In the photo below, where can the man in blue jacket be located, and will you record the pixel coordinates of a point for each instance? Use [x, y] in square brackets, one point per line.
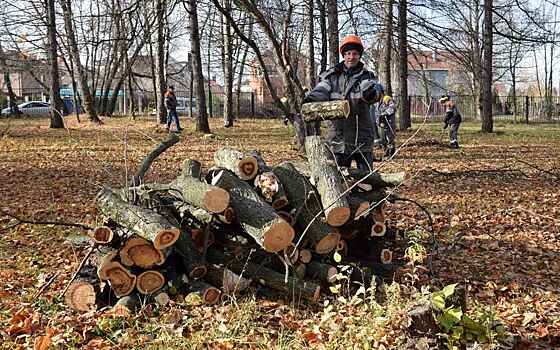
[352, 138]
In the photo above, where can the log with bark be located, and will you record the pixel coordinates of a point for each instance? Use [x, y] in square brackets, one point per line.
[306, 201]
[377, 180]
[295, 288]
[328, 181]
[144, 222]
[244, 166]
[329, 110]
[209, 294]
[199, 193]
[255, 216]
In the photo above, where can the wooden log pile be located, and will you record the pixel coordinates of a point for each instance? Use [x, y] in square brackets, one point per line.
[286, 227]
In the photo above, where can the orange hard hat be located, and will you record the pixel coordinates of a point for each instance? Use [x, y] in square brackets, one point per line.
[351, 40]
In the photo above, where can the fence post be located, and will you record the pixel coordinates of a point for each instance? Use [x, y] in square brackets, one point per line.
[252, 104]
[526, 109]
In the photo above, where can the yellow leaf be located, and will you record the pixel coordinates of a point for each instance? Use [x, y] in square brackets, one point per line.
[42, 342]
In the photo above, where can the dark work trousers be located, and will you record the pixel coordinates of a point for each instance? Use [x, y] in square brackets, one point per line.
[453, 133]
[363, 160]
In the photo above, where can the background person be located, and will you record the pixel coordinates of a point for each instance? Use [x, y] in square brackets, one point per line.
[171, 106]
[453, 118]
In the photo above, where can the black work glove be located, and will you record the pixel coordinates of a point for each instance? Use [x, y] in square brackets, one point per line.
[445, 126]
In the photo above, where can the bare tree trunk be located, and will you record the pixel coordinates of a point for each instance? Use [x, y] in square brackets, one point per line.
[477, 58]
[487, 120]
[160, 59]
[388, 47]
[241, 70]
[57, 105]
[404, 108]
[8, 81]
[202, 120]
[311, 75]
[332, 17]
[228, 67]
[324, 43]
[79, 69]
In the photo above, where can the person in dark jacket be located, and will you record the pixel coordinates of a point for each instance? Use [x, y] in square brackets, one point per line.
[171, 106]
[352, 138]
[453, 118]
[386, 109]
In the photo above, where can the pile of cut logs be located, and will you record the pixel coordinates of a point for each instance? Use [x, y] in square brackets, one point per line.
[284, 229]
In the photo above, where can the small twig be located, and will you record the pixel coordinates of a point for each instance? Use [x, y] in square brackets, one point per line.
[539, 169]
[39, 222]
[46, 285]
[77, 270]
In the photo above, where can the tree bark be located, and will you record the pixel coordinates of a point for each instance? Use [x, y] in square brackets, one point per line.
[403, 103]
[244, 166]
[328, 181]
[388, 47]
[255, 216]
[160, 59]
[294, 288]
[306, 201]
[227, 40]
[322, 272]
[202, 124]
[57, 105]
[310, 71]
[332, 17]
[329, 110]
[323, 27]
[487, 119]
[144, 222]
[7, 80]
[87, 97]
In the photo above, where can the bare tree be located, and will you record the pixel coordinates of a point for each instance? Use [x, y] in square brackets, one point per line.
[487, 120]
[202, 124]
[332, 17]
[79, 69]
[57, 105]
[403, 106]
[388, 46]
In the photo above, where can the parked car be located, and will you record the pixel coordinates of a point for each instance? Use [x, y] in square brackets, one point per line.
[31, 108]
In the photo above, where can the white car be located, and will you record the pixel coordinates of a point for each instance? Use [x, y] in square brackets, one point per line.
[31, 108]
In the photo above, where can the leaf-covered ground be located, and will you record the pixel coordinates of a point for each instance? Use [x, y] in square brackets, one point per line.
[495, 206]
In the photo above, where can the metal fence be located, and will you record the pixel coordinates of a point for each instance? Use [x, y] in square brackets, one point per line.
[522, 109]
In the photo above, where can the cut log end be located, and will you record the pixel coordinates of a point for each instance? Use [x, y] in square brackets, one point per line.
[81, 296]
[280, 203]
[327, 243]
[299, 271]
[228, 216]
[378, 229]
[248, 168]
[149, 281]
[102, 235]
[198, 272]
[216, 200]
[146, 256]
[122, 281]
[211, 296]
[386, 256]
[166, 238]
[337, 217]
[305, 256]
[278, 236]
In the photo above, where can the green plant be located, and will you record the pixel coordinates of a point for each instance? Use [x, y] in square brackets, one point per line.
[460, 328]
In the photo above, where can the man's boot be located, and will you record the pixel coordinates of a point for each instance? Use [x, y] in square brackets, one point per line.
[454, 144]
